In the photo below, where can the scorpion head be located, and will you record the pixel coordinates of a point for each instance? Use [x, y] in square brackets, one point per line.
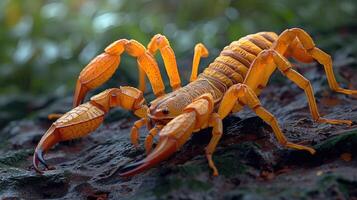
[164, 109]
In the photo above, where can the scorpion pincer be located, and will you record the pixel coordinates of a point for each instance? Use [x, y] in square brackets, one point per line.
[233, 80]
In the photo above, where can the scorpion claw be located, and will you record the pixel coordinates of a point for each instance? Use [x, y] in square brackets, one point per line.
[38, 157]
[127, 168]
[174, 135]
[164, 149]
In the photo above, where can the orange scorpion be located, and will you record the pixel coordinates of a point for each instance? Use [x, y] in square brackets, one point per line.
[233, 80]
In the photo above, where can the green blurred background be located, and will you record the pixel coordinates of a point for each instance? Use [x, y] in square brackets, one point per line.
[44, 44]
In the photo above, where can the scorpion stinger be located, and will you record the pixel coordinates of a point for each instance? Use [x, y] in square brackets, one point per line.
[87, 117]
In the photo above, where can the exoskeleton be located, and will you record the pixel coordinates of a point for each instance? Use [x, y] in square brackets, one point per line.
[233, 80]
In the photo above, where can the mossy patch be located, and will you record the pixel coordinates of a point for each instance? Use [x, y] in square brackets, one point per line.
[229, 164]
[342, 141]
[183, 177]
[191, 169]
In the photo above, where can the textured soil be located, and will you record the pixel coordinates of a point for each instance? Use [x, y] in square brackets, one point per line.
[251, 163]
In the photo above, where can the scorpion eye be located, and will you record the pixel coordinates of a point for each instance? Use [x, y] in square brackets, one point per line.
[165, 111]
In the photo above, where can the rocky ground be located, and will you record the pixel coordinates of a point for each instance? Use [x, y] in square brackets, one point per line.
[252, 164]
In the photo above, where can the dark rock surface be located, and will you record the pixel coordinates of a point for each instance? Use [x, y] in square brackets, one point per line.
[251, 163]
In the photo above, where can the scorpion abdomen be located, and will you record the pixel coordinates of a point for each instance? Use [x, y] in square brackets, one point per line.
[232, 65]
[229, 68]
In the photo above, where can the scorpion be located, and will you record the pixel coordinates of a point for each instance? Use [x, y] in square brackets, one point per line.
[232, 81]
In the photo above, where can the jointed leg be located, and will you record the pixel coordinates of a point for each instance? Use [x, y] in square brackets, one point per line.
[324, 59]
[150, 138]
[134, 133]
[266, 63]
[286, 68]
[54, 116]
[272, 121]
[289, 36]
[216, 123]
[243, 93]
[200, 51]
[160, 42]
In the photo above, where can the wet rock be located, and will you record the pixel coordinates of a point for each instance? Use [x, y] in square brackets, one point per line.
[22, 183]
[252, 164]
[18, 107]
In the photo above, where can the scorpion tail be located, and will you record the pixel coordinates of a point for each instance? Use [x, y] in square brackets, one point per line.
[79, 94]
[48, 140]
[174, 135]
[76, 123]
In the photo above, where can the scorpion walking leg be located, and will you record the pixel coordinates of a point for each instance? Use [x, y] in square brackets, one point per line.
[272, 121]
[150, 138]
[289, 36]
[160, 42]
[324, 59]
[134, 133]
[54, 116]
[243, 93]
[265, 64]
[217, 131]
[200, 51]
[286, 68]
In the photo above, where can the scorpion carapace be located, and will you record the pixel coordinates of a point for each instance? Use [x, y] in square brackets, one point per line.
[233, 80]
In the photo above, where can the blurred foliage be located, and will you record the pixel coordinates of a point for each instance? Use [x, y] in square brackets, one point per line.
[44, 44]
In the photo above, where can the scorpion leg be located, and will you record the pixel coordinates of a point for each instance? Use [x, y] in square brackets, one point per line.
[243, 93]
[200, 51]
[176, 133]
[134, 133]
[287, 41]
[54, 116]
[102, 67]
[217, 132]
[160, 42]
[323, 58]
[270, 59]
[149, 138]
[286, 68]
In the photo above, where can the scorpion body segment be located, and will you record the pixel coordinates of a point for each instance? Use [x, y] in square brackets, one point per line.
[233, 80]
[229, 68]
[233, 63]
